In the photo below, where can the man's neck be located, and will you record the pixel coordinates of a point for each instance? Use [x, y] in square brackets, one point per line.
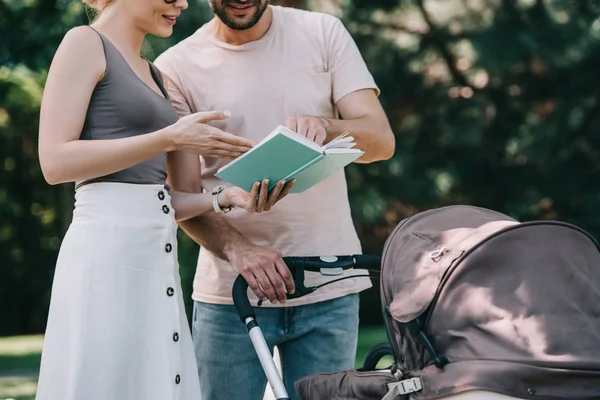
[237, 38]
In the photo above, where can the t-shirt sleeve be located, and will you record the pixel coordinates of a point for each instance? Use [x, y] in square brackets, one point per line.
[348, 70]
[166, 64]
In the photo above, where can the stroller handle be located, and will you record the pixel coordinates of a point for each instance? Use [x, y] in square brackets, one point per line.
[329, 266]
[316, 264]
[297, 266]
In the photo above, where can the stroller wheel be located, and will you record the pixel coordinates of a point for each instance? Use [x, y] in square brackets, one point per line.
[375, 355]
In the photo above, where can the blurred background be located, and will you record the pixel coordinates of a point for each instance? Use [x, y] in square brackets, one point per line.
[494, 103]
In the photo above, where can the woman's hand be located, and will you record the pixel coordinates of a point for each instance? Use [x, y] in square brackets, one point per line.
[258, 199]
[192, 134]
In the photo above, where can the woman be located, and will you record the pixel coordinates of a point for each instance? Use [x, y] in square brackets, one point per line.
[117, 327]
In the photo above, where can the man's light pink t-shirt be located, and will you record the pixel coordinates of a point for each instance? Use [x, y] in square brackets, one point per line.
[303, 65]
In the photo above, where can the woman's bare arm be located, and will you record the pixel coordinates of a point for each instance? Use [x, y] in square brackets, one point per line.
[76, 69]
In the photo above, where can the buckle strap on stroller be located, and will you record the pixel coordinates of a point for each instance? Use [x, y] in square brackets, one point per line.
[403, 387]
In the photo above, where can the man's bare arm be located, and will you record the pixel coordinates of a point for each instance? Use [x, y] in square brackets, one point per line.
[210, 231]
[258, 264]
[365, 119]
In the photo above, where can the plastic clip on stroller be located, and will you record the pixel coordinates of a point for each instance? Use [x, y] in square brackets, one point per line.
[329, 266]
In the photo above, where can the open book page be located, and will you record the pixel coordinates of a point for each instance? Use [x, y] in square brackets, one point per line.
[343, 141]
[299, 138]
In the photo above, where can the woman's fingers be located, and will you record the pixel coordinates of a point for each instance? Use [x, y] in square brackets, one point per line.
[233, 139]
[205, 116]
[274, 195]
[253, 196]
[262, 196]
[229, 155]
[286, 189]
[223, 148]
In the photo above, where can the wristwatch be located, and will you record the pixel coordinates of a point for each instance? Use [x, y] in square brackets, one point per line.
[215, 200]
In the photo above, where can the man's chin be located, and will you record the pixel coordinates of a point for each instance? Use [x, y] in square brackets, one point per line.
[240, 23]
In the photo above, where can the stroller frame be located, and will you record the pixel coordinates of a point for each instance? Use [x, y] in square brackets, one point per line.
[327, 266]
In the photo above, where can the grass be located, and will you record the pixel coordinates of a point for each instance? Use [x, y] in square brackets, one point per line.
[20, 353]
[20, 361]
[368, 338]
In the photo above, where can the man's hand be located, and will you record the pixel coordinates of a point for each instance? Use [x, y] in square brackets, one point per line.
[264, 270]
[314, 128]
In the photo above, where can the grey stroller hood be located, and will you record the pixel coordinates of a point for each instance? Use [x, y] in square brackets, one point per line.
[475, 300]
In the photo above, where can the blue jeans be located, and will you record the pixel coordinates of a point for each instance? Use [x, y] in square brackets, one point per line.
[320, 337]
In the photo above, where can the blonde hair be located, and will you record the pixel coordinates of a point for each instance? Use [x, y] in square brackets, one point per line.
[98, 5]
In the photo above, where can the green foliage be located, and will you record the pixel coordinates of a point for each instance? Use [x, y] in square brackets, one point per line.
[33, 214]
[493, 102]
[29, 219]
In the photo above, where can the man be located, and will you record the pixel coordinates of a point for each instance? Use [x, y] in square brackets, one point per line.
[271, 65]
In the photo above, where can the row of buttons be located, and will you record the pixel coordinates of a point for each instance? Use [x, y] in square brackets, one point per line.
[170, 290]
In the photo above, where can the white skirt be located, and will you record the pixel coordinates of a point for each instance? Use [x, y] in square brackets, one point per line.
[117, 327]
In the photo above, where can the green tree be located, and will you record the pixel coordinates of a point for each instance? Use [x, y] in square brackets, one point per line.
[494, 103]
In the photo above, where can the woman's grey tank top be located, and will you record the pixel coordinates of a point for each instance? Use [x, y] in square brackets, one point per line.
[123, 105]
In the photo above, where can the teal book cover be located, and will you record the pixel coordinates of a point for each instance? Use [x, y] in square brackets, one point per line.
[284, 154]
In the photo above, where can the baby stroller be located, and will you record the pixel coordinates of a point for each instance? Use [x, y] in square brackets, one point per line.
[474, 302]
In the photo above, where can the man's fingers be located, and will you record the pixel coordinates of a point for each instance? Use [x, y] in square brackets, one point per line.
[291, 123]
[313, 128]
[320, 134]
[304, 128]
[277, 283]
[286, 275]
[253, 284]
[266, 285]
[205, 116]
[317, 131]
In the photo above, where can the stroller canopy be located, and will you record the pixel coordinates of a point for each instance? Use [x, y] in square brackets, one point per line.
[474, 299]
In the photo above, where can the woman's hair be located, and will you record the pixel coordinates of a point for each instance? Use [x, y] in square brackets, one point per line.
[98, 5]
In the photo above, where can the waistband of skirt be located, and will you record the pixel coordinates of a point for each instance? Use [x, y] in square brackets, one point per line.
[123, 200]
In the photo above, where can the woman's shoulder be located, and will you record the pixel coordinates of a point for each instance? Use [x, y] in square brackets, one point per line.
[83, 47]
[83, 38]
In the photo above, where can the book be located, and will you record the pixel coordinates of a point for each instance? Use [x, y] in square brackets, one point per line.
[285, 154]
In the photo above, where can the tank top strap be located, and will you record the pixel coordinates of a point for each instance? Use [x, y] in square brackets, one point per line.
[158, 78]
[106, 44]
[111, 54]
